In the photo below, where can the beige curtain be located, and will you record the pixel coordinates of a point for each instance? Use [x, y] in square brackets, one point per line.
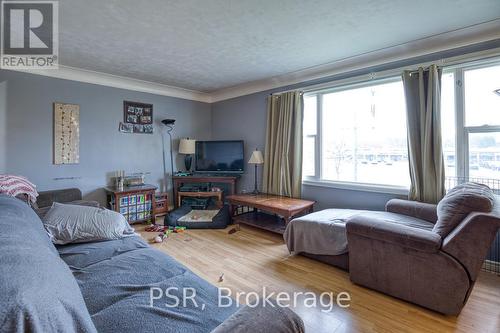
[423, 109]
[283, 154]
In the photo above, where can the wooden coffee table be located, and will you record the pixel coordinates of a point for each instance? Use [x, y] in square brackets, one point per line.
[269, 212]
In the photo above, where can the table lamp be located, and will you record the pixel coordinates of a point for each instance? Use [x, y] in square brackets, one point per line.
[187, 147]
[256, 159]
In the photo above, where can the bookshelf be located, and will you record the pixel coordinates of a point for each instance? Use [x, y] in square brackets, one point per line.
[135, 203]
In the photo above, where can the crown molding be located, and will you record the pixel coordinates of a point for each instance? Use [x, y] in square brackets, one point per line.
[479, 33]
[442, 42]
[109, 80]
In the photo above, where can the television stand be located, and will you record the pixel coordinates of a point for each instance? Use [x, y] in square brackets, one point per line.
[178, 181]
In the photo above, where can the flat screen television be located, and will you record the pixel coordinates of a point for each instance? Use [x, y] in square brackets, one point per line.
[219, 156]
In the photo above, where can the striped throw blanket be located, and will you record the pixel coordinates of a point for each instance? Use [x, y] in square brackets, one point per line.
[15, 185]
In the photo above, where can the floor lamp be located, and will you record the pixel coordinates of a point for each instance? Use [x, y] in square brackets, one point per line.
[256, 159]
[169, 123]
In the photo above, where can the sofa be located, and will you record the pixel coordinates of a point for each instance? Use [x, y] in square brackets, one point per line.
[106, 286]
[423, 253]
[418, 264]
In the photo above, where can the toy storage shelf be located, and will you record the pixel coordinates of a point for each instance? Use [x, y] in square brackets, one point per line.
[135, 203]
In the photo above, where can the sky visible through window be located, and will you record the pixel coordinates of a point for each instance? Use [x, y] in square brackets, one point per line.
[364, 135]
[482, 107]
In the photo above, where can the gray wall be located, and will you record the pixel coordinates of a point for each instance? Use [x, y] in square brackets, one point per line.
[245, 117]
[242, 118]
[3, 126]
[103, 149]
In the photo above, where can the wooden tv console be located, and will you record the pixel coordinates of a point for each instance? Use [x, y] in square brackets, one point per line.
[193, 179]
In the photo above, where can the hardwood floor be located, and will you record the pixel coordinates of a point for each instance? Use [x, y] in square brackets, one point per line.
[251, 259]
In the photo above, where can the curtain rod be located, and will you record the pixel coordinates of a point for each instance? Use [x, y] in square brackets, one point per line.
[309, 87]
[285, 91]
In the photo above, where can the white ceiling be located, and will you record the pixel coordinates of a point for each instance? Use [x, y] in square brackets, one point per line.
[208, 45]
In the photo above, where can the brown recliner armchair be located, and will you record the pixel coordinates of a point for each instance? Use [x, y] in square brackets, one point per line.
[429, 266]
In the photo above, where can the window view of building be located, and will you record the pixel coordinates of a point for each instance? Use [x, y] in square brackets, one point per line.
[358, 134]
[363, 135]
[482, 121]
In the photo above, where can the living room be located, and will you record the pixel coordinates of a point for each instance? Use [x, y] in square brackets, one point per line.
[341, 158]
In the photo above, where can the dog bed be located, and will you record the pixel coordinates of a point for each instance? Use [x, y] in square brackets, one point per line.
[184, 216]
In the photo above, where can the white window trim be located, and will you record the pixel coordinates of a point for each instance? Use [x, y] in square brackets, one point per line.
[352, 186]
[317, 179]
[462, 131]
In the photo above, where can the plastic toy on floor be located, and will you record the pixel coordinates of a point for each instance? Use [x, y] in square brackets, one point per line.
[166, 232]
[155, 228]
[159, 238]
[177, 230]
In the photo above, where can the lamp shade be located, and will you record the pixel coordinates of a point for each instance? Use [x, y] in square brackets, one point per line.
[186, 146]
[256, 158]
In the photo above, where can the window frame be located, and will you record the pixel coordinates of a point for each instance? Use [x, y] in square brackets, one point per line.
[462, 132]
[316, 179]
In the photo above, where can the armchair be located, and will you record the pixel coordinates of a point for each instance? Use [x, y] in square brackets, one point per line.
[416, 264]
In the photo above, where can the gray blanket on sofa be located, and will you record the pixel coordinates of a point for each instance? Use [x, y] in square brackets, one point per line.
[321, 232]
[106, 285]
[324, 232]
[37, 290]
[115, 278]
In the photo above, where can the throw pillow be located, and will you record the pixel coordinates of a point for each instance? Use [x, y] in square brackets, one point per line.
[68, 223]
[41, 212]
[459, 202]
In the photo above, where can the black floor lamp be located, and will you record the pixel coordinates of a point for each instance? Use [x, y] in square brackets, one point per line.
[169, 123]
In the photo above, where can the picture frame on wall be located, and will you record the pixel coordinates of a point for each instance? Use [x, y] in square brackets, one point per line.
[126, 128]
[138, 129]
[139, 116]
[132, 119]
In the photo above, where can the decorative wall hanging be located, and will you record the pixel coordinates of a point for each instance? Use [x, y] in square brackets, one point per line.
[66, 133]
[138, 117]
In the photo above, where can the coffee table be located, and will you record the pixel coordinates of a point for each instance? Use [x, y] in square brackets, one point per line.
[266, 211]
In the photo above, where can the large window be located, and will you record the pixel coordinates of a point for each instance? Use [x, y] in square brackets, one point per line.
[357, 135]
[474, 101]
